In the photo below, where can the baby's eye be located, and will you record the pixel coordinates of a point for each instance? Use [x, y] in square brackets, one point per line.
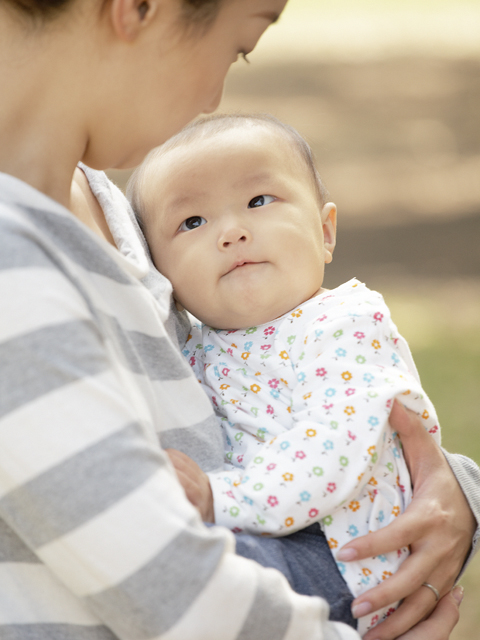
[260, 201]
[192, 223]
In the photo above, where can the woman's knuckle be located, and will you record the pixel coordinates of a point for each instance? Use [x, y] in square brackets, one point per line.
[439, 516]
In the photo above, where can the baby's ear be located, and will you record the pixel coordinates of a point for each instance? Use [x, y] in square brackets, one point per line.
[329, 222]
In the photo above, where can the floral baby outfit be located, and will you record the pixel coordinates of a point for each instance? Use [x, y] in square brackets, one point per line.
[304, 403]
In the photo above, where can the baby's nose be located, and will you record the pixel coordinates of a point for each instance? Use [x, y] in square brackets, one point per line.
[233, 236]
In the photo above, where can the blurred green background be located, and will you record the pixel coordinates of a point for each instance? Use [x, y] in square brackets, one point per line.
[388, 95]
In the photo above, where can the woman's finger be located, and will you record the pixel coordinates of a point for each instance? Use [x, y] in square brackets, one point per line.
[412, 525]
[414, 608]
[418, 606]
[440, 624]
[411, 575]
[417, 569]
[419, 519]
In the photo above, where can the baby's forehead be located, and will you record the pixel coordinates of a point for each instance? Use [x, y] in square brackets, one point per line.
[248, 141]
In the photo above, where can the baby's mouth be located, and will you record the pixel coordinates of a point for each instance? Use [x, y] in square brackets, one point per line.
[241, 263]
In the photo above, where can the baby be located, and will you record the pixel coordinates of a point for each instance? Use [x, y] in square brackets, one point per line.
[302, 379]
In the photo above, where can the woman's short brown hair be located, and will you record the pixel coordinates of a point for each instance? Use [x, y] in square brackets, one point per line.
[195, 11]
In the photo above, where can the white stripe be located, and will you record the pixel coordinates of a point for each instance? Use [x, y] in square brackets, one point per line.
[122, 539]
[182, 402]
[17, 195]
[235, 578]
[29, 303]
[35, 297]
[54, 427]
[123, 301]
[30, 594]
[308, 618]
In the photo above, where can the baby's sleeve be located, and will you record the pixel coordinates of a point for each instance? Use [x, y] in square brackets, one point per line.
[350, 365]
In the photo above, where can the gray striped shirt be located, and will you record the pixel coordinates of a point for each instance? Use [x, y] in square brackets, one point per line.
[97, 539]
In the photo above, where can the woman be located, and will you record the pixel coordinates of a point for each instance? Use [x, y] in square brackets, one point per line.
[97, 538]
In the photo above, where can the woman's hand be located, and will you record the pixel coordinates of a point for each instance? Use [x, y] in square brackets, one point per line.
[438, 526]
[195, 483]
[441, 622]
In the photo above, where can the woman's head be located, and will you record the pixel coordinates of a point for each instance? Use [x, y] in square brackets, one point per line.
[181, 71]
[130, 73]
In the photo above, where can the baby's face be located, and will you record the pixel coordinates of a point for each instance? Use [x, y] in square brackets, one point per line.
[235, 224]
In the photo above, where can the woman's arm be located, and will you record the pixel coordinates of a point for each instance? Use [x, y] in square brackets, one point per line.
[438, 525]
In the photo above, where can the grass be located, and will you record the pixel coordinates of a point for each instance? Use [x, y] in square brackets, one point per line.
[445, 341]
[443, 334]
[451, 376]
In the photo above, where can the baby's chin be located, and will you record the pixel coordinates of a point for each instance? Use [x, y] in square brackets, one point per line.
[242, 316]
[234, 322]
[231, 322]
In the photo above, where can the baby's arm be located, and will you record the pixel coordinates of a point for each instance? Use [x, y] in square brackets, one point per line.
[194, 482]
[352, 367]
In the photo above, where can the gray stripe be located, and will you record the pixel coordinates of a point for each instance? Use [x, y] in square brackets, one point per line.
[68, 495]
[468, 476]
[270, 613]
[55, 632]
[70, 237]
[18, 250]
[152, 600]
[36, 363]
[203, 442]
[177, 325]
[12, 549]
[153, 356]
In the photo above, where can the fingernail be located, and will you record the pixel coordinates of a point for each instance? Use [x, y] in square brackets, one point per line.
[345, 555]
[361, 609]
[458, 594]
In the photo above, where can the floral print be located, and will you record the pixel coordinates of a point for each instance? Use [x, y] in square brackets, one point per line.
[305, 417]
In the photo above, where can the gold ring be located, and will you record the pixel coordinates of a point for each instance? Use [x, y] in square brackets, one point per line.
[432, 588]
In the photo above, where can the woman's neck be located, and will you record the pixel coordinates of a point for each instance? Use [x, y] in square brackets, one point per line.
[44, 115]
[42, 118]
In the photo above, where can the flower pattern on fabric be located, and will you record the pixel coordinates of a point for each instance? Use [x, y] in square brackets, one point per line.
[304, 413]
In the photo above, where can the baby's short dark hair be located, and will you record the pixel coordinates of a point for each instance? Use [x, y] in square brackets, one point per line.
[209, 126]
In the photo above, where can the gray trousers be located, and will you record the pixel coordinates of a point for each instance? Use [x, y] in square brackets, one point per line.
[306, 561]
